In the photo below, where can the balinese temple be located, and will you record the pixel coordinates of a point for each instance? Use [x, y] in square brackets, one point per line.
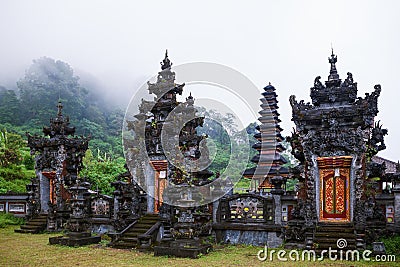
[344, 190]
[269, 159]
[58, 156]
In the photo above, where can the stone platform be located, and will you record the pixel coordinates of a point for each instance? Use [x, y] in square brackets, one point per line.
[75, 239]
[182, 248]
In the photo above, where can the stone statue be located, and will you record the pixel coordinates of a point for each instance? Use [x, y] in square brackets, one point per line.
[317, 83]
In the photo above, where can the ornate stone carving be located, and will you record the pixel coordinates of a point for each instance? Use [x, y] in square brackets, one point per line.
[336, 142]
[294, 233]
[377, 141]
[33, 202]
[297, 148]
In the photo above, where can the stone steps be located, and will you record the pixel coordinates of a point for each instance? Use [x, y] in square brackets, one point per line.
[129, 239]
[327, 235]
[34, 226]
[334, 235]
[167, 236]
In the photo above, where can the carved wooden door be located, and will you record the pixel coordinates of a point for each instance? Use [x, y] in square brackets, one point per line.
[334, 189]
[160, 182]
[334, 199]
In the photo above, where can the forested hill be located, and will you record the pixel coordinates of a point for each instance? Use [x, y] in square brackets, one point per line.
[33, 103]
[47, 81]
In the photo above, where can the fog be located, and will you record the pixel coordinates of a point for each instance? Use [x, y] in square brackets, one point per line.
[117, 45]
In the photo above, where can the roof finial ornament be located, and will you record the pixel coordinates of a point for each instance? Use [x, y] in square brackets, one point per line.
[190, 99]
[166, 63]
[333, 75]
[59, 107]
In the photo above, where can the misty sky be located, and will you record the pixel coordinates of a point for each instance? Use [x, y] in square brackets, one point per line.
[119, 44]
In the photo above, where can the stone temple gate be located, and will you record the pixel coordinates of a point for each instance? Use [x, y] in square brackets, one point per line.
[335, 140]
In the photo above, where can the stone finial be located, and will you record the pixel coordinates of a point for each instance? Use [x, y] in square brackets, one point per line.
[333, 75]
[166, 63]
[59, 108]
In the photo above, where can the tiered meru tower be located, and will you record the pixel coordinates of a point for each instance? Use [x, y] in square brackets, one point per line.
[334, 140]
[269, 159]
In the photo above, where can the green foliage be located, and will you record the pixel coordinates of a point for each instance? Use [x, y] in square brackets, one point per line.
[100, 171]
[9, 106]
[243, 183]
[12, 172]
[392, 245]
[222, 131]
[291, 184]
[16, 164]
[10, 148]
[9, 219]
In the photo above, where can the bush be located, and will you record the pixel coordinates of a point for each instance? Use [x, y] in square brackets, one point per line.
[392, 245]
[9, 219]
[11, 172]
[101, 171]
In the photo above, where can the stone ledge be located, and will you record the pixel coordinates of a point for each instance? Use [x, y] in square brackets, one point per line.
[74, 241]
[247, 227]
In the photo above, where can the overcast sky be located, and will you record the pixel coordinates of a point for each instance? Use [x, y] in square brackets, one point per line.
[287, 43]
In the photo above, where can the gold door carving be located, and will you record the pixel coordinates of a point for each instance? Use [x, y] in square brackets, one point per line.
[334, 191]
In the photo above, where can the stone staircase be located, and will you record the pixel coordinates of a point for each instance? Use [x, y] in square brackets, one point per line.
[130, 237]
[167, 236]
[34, 226]
[327, 234]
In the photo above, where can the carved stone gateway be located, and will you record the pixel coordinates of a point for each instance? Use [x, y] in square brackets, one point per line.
[334, 139]
[172, 172]
[58, 157]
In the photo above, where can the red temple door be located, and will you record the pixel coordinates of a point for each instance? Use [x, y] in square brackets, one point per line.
[334, 189]
[52, 188]
[160, 182]
[334, 196]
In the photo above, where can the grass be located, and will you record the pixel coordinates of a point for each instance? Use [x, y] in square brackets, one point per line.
[33, 250]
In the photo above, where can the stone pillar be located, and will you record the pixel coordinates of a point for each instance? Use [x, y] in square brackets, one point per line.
[214, 210]
[274, 239]
[276, 192]
[44, 189]
[150, 188]
[116, 207]
[396, 192]
[278, 209]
